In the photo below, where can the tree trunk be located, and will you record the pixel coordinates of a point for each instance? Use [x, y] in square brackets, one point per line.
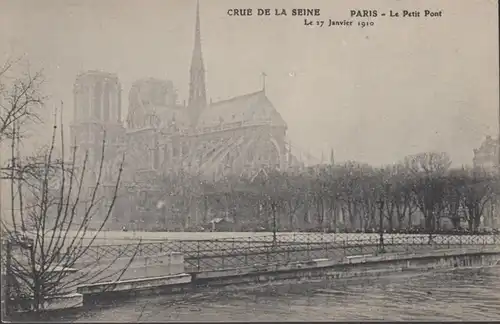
[335, 216]
[476, 219]
[306, 211]
[390, 218]
[37, 296]
[352, 217]
[429, 220]
[400, 220]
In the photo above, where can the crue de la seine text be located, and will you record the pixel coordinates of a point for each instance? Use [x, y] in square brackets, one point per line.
[362, 18]
[273, 12]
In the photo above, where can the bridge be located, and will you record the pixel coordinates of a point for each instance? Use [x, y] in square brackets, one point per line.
[215, 254]
[180, 265]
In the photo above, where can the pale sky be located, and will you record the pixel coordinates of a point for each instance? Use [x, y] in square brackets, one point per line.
[372, 94]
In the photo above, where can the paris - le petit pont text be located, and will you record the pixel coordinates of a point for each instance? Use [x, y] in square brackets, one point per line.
[312, 17]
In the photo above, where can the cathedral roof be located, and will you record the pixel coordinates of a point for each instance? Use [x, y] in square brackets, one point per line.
[172, 115]
[252, 107]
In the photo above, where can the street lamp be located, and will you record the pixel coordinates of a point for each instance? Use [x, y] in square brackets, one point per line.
[433, 227]
[381, 224]
[273, 214]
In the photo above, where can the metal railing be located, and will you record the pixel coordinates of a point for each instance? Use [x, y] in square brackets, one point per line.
[288, 247]
[303, 248]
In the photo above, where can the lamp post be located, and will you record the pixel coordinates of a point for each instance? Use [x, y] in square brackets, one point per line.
[431, 230]
[270, 195]
[381, 224]
[275, 225]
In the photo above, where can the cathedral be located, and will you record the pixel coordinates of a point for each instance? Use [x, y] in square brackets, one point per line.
[164, 137]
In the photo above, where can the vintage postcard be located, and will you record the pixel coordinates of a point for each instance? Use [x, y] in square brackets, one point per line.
[251, 160]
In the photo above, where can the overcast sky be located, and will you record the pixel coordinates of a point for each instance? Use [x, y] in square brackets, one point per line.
[374, 94]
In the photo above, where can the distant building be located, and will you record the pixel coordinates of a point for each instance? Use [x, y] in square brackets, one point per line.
[486, 156]
[162, 136]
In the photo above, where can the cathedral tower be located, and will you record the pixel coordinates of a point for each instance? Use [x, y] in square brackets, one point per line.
[97, 97]
[197, 90]
[97, 109]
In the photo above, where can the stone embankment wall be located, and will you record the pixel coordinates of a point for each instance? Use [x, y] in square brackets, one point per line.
[358, 266]
[361, 266]
[126, 268]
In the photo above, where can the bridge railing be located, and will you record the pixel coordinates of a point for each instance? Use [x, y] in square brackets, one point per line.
[303, 248]
[287, 247]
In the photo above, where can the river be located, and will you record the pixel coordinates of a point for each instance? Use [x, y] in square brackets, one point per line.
[460, 295]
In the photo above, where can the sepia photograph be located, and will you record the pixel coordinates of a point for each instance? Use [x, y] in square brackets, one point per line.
[250, 160]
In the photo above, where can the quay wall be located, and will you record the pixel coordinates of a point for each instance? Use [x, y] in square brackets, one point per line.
[362, 266]
[134, 268]
[350, 267]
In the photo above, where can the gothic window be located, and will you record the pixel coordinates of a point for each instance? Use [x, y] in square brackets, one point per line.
[250, 154]
[112, 104]
[185, 149]
[106, 102]
[97, 101]
[166, 153]
[156, 158]
[88, 104]
[175, 151]
[273, 154]
[118, 105]
[142, 198]
[76, 98]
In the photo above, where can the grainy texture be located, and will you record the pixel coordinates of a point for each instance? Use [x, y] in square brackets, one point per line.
[228, 119]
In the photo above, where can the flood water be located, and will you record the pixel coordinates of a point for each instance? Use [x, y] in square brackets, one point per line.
[460, 295]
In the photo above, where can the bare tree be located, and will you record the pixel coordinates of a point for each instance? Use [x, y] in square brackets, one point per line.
[50, 218]
[350, 191]
[20, 98]
[402, 194]
[295, 196]
[429, 163]
[429, 172]
[455, 195]
[371, 191]
[478, 189]
[181, 191]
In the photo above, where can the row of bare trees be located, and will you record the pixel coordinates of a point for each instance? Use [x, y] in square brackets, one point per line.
[422, 187]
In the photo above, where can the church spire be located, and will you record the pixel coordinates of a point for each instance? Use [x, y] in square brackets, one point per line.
[197, 91]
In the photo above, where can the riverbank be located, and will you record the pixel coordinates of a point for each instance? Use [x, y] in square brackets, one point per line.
[357, 266]
[396, 297]
[403, 296]
[362, 266]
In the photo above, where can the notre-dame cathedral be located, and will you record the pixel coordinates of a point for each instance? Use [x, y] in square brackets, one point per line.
[162, 136]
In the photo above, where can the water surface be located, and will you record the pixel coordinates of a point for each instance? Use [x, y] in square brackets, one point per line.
[460, 295]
